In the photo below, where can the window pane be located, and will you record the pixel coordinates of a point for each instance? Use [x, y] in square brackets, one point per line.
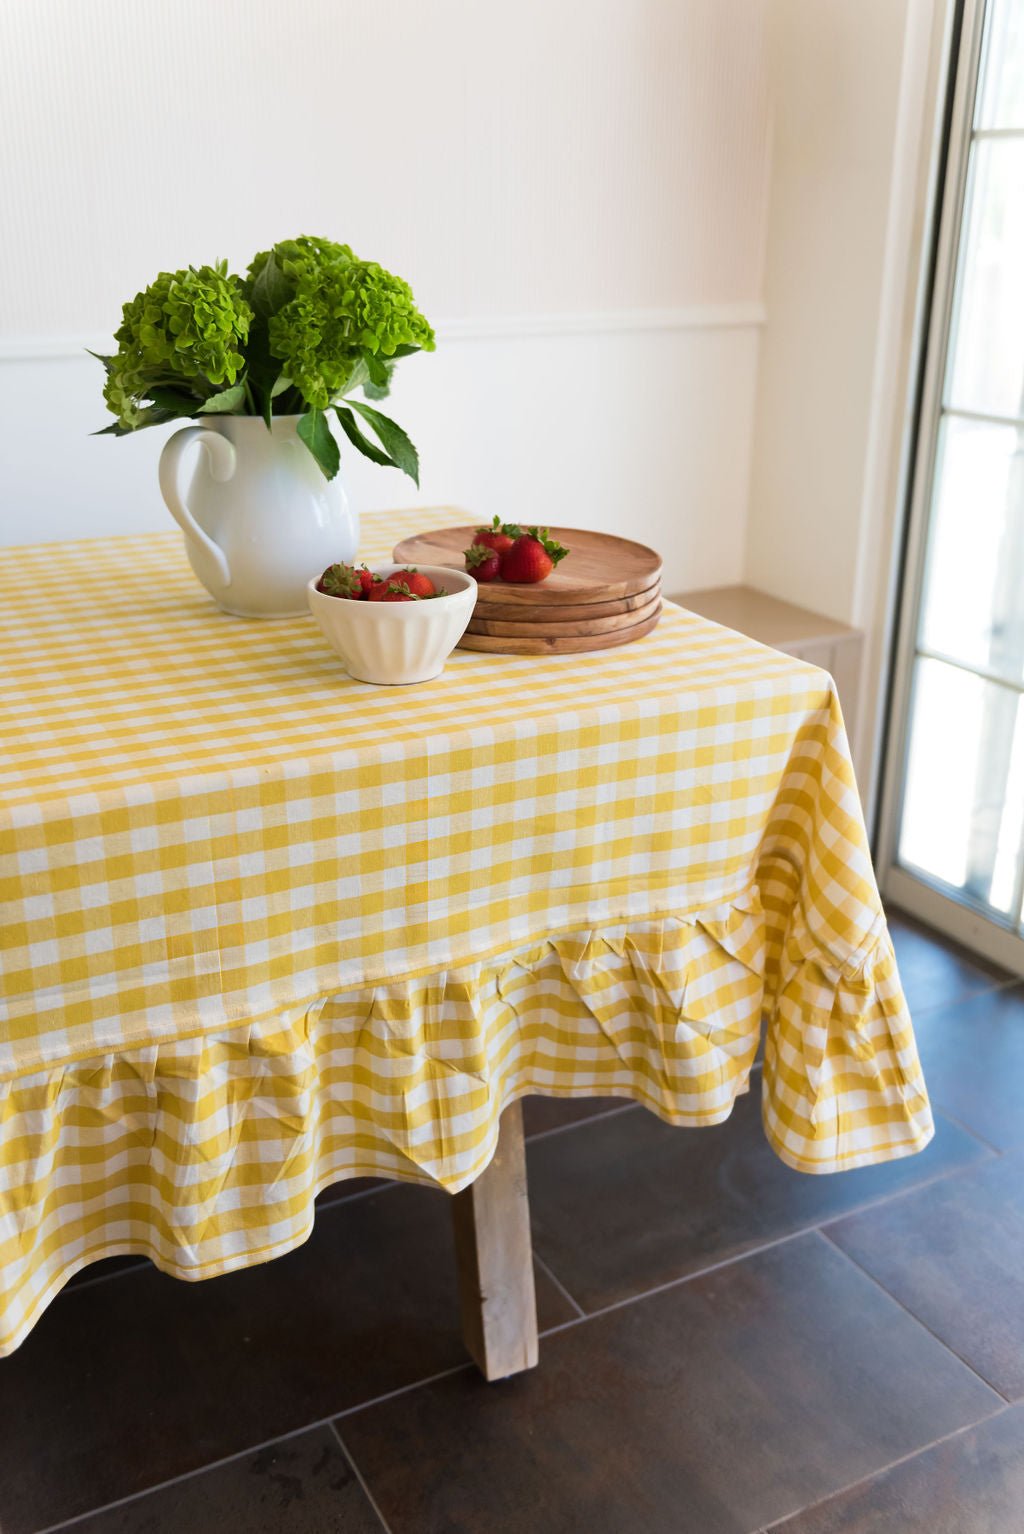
[965, 783]
[973, 603]
[1001, 97]
[986, 371]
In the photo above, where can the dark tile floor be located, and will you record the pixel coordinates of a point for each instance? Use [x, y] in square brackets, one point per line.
[729, 1347]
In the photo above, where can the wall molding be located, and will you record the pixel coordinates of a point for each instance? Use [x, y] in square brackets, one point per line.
[512, 327]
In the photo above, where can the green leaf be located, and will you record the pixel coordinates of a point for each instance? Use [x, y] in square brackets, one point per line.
[225, 403]
[316, 434]
[403, 455]
[377, 370]
[350, 426]
[262, 370]
[108, 363]
[271, 290]
[378, 381]
[156, 416]
[357, 379]
[173, 400]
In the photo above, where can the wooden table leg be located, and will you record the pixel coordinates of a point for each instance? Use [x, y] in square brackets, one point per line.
[495, 1259]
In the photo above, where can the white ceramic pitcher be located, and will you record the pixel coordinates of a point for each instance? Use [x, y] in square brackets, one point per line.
[259, 517]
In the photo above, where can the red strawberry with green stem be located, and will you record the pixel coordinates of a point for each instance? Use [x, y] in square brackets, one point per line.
[499, 536]
[342, 580]
[483, 562]
[419, 585]
[531, 558]
[395, 588]
[381, 589]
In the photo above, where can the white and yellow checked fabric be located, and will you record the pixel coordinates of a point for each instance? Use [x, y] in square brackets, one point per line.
[264, 927]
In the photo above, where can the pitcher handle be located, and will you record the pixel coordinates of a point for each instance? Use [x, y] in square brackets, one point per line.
[221, 455]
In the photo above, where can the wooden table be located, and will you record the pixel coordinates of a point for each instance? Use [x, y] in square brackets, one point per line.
[264, 928]
[495, 1259]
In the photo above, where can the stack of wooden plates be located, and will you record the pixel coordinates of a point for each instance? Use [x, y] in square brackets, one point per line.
[605, 592]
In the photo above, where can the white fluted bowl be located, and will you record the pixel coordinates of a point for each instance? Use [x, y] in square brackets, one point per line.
[397, 643]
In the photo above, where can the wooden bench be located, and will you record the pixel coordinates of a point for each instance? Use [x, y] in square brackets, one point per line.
[810, 636]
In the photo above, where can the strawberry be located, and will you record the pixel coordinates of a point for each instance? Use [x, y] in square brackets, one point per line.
[366, 580]
[341, 581]
[531, 558]
[419, 584]
[395, 588]
[499, 536]
[483, 561]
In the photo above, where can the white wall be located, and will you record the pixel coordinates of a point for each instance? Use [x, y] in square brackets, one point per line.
[856, 92]
[835, 72]
[574, 187]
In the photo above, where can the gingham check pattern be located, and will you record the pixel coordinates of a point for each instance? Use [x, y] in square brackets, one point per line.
[265, 927]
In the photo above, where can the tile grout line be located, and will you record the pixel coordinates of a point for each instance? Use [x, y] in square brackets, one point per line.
[674, 1283]
[917, 1187]
[816, 1228]
[553, 1277]
[253, 1448]
[625, 1106]
[361, 1479]
[959, 998]
[865, 1273]
[778, 1526]
[176, 1480]
[403, 1390]
[71, 1287]
[967, 1130]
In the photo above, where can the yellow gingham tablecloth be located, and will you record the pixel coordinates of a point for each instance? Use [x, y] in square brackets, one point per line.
[264, 927]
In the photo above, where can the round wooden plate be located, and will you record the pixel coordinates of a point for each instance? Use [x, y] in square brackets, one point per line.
[598, 567]
[576, 628]
[541, 644]
[557, 612]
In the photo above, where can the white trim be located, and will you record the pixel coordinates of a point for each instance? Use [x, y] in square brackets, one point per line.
[604, 321]
[973, 928]
[511, 327]
[986, 674]
[1014, 421]
[901, 325]
[934, 333]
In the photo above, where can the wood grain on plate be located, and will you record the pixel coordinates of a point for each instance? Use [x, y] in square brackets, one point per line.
[598, 567]
[551, 644]
[558, 612]
[576, 628]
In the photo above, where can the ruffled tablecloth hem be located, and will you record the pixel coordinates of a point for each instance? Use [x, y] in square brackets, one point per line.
[206, 1154]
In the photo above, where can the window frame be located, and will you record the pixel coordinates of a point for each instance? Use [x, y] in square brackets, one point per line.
[926, 896]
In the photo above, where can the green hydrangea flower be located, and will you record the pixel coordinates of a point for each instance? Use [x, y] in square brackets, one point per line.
[340, 311]
[314, 347]
[186, 331]
[381, 306]
[303, 258]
